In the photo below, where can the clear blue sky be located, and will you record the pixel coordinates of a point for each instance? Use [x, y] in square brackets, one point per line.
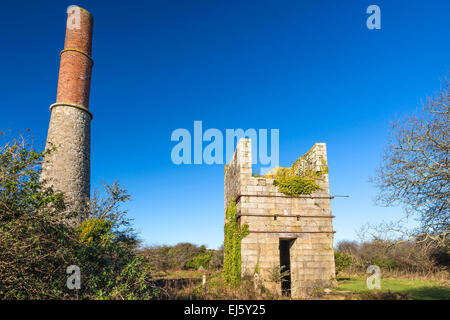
[308, 68]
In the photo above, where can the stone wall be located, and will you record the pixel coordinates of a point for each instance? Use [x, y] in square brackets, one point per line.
[67, 168]
[238, 170]
[272, 216]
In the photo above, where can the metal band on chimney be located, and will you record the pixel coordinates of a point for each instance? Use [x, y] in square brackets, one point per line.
[79, 51]
[60, 104]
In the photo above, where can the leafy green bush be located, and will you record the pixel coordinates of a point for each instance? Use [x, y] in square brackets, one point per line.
[37, 246]
[200, 260]
[386, 263]
[342, 261]
[181, 253]
[95, 230]
[217, 259]
[181, 256]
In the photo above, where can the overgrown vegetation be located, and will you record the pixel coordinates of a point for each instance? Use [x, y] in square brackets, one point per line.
[183, 256]
[392, 257]
[201, 260]
[278, 274]
[232, 246]
[342, 261]
[295, 181]
[216, 289]
[295, 186]
[36, 246]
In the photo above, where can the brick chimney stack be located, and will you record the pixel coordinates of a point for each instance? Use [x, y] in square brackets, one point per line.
[67, 168]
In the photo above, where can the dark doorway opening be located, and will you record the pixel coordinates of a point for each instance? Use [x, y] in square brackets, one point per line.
[285, 265]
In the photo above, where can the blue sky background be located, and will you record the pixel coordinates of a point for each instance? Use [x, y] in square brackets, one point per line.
[308, 68]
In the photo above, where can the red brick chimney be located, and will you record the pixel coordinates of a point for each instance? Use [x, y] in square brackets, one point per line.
[76, 62]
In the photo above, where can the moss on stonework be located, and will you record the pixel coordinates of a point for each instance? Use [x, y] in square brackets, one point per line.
[232, 246]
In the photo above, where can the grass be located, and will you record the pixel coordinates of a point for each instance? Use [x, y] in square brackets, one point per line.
[415, 289]
[353, 286]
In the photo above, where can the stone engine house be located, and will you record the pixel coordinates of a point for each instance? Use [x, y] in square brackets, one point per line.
[283, 230]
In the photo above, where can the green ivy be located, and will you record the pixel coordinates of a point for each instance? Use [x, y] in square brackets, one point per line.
[296, 185]
[257, 267]
[290, 183]
[232, 246]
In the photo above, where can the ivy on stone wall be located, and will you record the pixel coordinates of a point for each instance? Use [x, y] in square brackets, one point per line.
[294, 182]
[232, 246]
[295, 186]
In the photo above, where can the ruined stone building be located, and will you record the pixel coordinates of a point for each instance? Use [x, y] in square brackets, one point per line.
[67, 168]
[294, 231]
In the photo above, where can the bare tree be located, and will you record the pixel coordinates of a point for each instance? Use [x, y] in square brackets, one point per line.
[415, 169]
